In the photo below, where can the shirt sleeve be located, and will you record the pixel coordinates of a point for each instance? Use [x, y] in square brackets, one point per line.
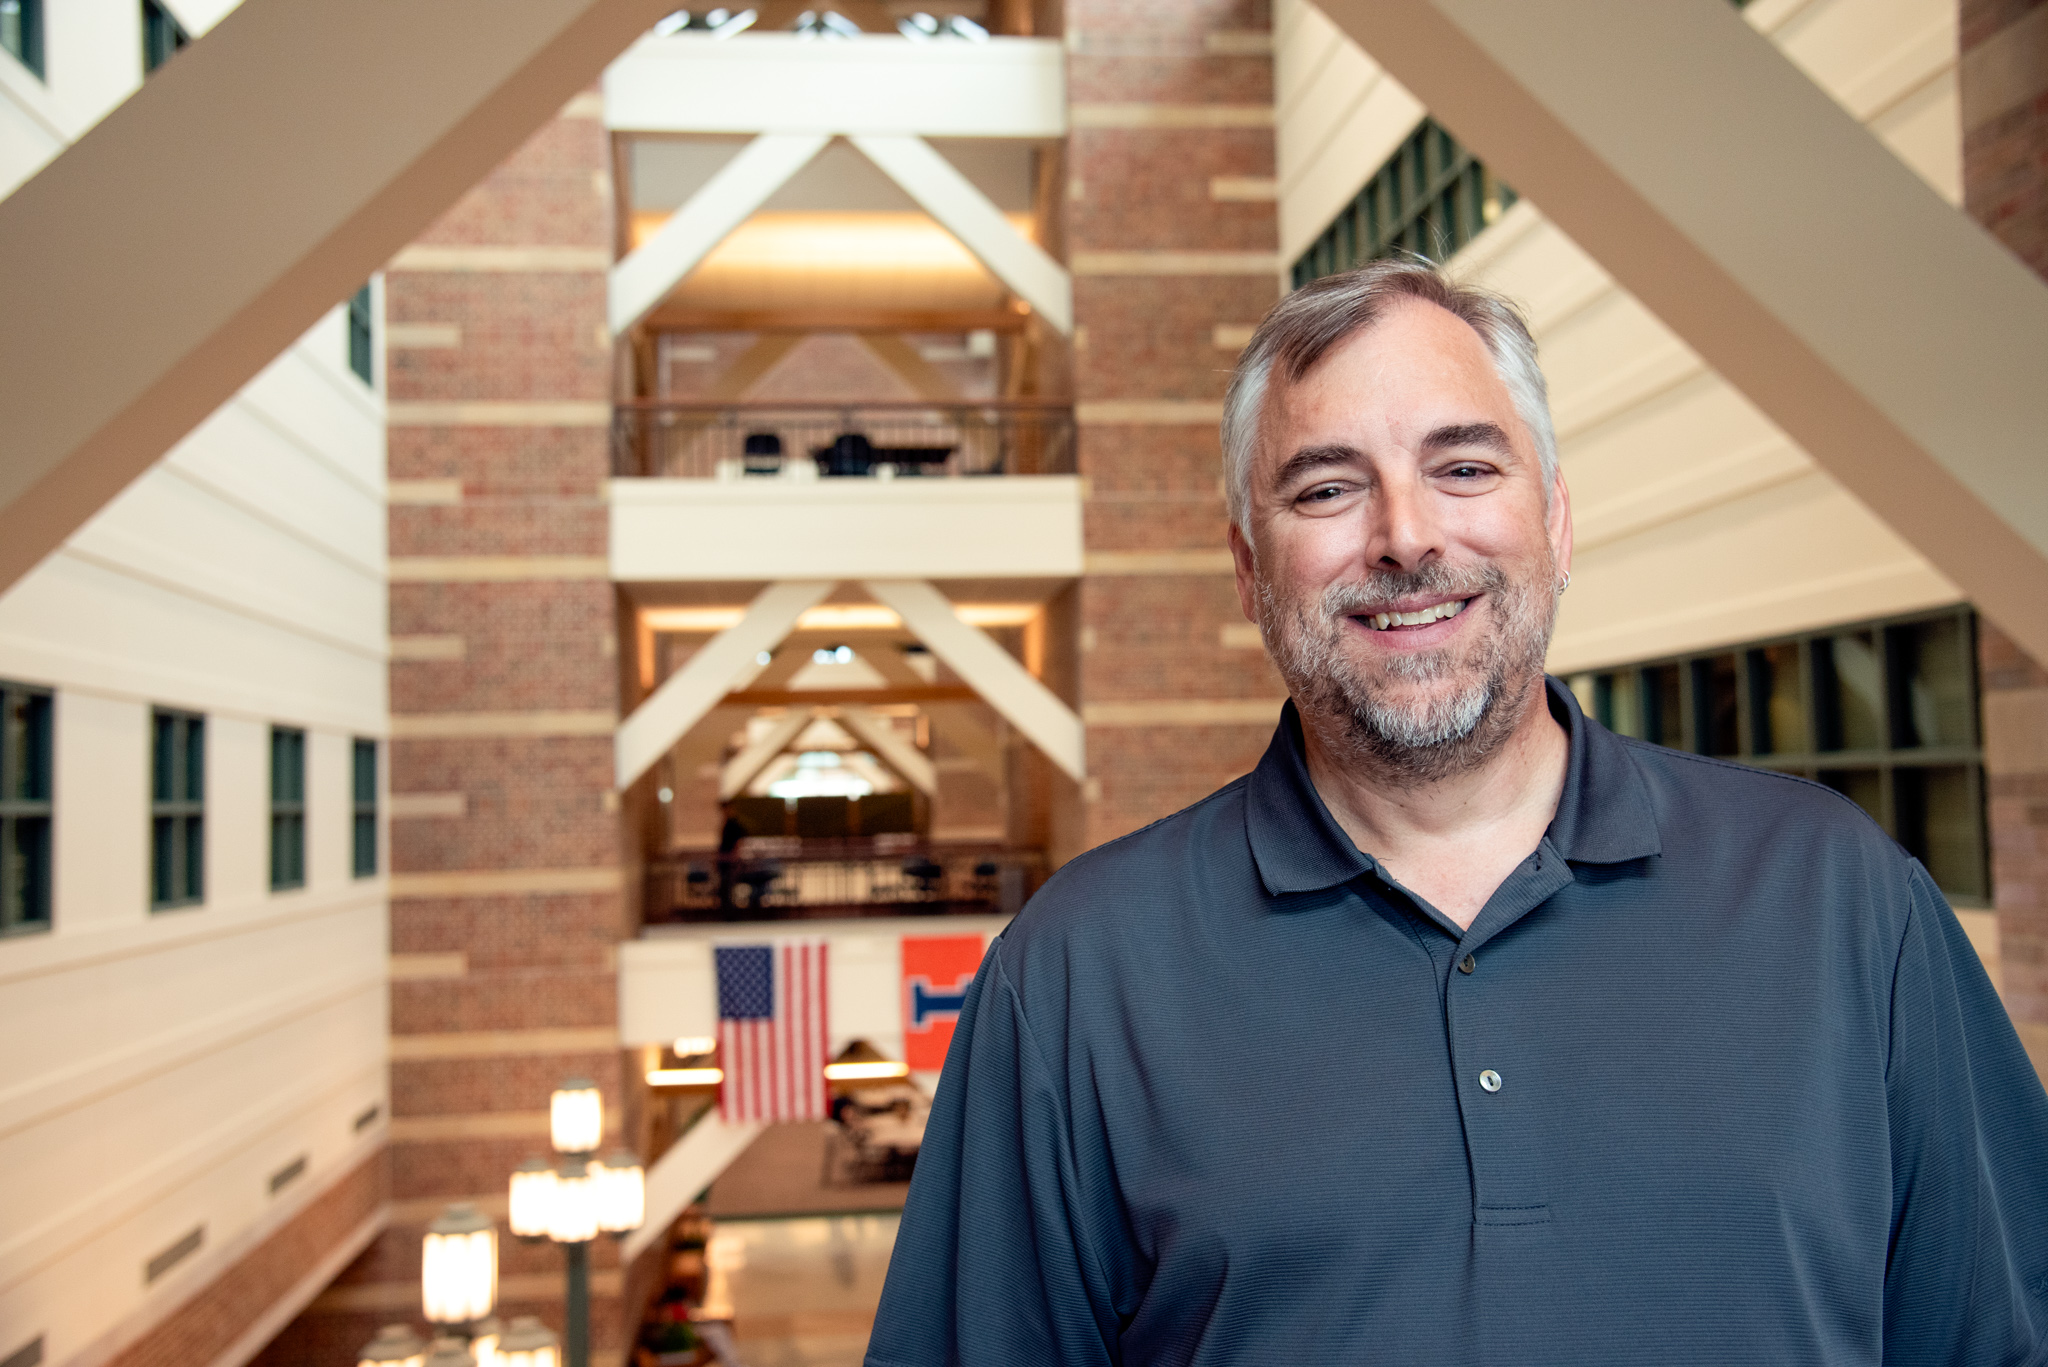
[990, 1267]
[1968, 1268]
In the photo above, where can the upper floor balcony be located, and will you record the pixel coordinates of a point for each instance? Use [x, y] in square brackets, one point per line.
[913, 489]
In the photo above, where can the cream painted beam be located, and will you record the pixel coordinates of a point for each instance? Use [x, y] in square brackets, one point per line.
[691, 1164]
[742, 185]
[684, 698]
[744, 767]
[1888, 334]
[778, 82]
[964, 211]
[989, 670]
[210, 219]
[899, 754]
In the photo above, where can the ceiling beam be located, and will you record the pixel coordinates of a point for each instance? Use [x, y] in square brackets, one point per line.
[211, 218]
[692, 232]
[670, 318]
[969, 215]
[780, 82]
[1882, 329]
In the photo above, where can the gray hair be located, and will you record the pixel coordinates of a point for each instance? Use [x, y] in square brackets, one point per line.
[1306, 325]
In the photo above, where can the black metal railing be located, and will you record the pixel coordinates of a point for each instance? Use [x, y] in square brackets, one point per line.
[692, 440]
[787, 878]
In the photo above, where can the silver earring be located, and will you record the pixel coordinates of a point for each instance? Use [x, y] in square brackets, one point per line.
[1564, 581]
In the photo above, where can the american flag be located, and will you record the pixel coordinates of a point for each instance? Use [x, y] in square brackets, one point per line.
[771, 1030]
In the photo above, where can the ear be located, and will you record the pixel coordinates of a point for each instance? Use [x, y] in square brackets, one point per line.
[1247, 580]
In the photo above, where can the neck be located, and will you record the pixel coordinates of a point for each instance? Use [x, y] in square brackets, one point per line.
[1490, 815]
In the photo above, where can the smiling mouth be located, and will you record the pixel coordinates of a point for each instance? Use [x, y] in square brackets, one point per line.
[1421, 617]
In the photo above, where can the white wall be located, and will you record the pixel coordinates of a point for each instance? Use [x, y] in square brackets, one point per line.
[1699, 523]
[168, 1063]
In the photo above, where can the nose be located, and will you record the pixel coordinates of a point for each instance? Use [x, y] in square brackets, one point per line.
[1406, 533]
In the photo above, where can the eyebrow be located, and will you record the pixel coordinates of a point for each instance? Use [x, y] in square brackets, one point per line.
[1486, 434]
[1310, 458]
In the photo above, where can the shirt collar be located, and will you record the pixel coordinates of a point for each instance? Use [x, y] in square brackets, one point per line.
[1605, 814]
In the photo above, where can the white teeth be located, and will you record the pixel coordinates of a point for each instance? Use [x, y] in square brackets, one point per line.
[1380, 621]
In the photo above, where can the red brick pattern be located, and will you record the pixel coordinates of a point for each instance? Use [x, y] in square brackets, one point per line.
[2005, 156]
[2005, 187]
[1151, 337]
[538, 961]
[209, 1323]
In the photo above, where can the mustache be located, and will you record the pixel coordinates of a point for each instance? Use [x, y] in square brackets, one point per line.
[1381, 589]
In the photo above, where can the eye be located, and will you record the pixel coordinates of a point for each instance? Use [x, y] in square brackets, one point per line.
[1322, 493]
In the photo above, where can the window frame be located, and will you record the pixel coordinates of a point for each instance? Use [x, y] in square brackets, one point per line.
[362, 336]
[163, 37]
[29, 25]
[33, 810]
[287, 808]
[363, 851]
[1430, 197]
[1875, 768]
[177, 809]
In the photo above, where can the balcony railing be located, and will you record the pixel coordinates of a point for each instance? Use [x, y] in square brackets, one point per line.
[784, 879]
[680, 440]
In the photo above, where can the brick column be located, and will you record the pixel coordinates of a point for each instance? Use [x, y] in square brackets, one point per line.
[2003, 82]
[1172, 237]
[506, 860]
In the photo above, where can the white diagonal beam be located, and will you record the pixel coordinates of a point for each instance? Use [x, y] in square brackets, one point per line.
[894, 751]
[689, 1166]
[742, 768]
[1889, 335]
[211, 239]
[989, 670]
[741, 186]
[688, 694]
[964, 211]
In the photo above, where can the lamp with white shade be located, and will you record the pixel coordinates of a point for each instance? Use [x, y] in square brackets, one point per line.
[396, 1345]
[533, 1200]
[459, 1267]
[529, 1343]
[576, 1116]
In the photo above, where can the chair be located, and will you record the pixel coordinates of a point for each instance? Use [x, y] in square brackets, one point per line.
[849, 454]
[762, 454]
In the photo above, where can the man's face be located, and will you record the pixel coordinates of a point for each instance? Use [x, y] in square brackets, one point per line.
[1396, 478]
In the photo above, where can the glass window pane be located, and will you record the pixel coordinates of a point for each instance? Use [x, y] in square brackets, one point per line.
[1938, 824]
[1864, 787]
[1849, 691]
[1933, 684]
[365, 845]
[1776, 696]
[366, 771]
[1663, 719]
[1621, 709]
[27, 894]
[163, 886]
[195, 859]
[1714, 706]
[161, 764]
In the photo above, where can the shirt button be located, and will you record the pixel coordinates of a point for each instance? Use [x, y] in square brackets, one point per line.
[1467, 964]
[1489, 1081]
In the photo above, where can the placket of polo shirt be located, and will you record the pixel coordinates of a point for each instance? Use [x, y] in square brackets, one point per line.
[1495, 1067]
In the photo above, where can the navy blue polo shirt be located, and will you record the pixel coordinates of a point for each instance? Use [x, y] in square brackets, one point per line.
[1714, 1077]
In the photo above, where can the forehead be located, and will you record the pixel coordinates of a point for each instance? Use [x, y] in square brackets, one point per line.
[1416, 368]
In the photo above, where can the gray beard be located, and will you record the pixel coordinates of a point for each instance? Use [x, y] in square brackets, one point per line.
[1445, 733]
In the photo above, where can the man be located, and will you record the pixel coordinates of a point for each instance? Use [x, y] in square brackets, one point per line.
[1461, 1030]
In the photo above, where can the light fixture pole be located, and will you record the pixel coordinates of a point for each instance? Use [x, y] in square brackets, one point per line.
[571, 1201]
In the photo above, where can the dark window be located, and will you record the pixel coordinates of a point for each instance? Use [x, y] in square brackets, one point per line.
[1885, 713]
[162, 36]
[359, 359]
[25, 763]
[21, 32]
[287, 808]
[365, 819]
[177, 809]
[1431, 198]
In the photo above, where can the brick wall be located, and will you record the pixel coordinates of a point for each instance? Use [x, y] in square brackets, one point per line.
[1171, 122]
[211, 1322]
[506, 866]
[2004, 90]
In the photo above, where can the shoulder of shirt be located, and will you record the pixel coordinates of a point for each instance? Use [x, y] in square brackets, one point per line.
[1781, 793]
[1135, 861]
